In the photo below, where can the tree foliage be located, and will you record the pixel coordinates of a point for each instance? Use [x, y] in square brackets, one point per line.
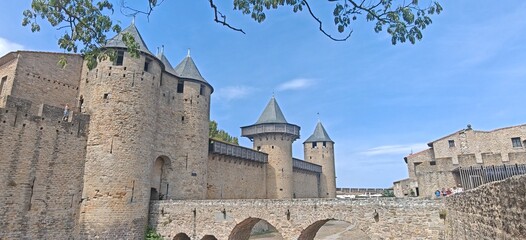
[220, 135]
[87, 22]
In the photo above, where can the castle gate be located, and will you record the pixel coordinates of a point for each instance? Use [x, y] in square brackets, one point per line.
[379, 218]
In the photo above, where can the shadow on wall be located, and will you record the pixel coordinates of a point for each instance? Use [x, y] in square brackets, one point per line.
[332, 229]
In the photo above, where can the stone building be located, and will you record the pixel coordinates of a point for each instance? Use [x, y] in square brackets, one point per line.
[438, 166]
[136, 130]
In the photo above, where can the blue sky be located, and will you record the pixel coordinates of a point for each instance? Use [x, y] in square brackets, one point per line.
[377, 101]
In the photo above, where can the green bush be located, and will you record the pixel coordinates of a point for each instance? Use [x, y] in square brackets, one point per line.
[152, 235]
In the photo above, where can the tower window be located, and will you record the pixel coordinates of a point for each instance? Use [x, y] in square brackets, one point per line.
[516, 142]
[180, 86]
[147, 63]
[451, 143]
[202, 90]
[314, 145]
[2, 83]
[119, 59]
[324, 144]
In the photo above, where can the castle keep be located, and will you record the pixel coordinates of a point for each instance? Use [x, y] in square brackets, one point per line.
[136, 130]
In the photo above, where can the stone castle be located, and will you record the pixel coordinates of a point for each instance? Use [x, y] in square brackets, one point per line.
[501, 152]
[136, 130]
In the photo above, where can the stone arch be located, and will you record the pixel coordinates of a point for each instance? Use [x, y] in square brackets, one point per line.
[243, 229]
[181, 236]
[158, 183]
[209, 237]
[309, 233]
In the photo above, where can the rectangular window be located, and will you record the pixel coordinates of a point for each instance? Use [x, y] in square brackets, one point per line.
[180, 86]
[314, 145]
[2, 83]
[202, 90]
[147, 63]
[451, 143]
[516, 142]
[119, 60]
[433, 163]
[324, 144]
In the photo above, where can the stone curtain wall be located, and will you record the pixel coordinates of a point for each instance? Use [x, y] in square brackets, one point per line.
[41, 171]
[491, 211]
[235, 178]
[39, 79]
[380, 218]
[306, 184]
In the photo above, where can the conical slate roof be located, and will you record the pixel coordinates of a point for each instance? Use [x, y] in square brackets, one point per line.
[132, 30]
[167, 65]
[319, 135]
[187, 69]
[272, 113]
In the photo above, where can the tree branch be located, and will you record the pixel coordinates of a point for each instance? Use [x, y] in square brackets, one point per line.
[216, 13]
[321, 27]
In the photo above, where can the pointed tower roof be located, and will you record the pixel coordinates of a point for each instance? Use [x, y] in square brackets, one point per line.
[167, 65]
[272, 113]
[132, 30]
[188, 69]
[319, 135]
[271, 121]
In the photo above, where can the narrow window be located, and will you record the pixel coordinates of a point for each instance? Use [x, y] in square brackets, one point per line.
[180, 86]
[433, 163]
[314, 145]
[119, 59]
[324, 144]
[516, 142]
[451, 143]
[147, 63]
[202, 90]
[2, 83]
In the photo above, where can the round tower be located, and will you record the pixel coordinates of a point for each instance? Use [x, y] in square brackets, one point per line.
[273, 135]
[121, 97]
[193, 117]
[319, 149]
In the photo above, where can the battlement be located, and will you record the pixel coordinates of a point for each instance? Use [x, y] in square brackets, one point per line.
[306, 166]
[237, 151]
[16, 111]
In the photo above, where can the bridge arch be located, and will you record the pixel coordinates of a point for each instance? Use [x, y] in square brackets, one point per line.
[311, 231]
[209, 237]
[243, 230]
[181, 236]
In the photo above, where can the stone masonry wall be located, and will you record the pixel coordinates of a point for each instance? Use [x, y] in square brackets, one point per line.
[7, 75]
[40, 80]
[492, 211]
[380, 218]
[42, 167]
[306, 184]
[235, 178]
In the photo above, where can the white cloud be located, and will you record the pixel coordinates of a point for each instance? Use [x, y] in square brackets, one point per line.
[296, 84]
[233, 92]
[395, 149]
[8, 46]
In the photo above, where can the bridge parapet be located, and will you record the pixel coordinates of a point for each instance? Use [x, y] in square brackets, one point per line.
[298, 218]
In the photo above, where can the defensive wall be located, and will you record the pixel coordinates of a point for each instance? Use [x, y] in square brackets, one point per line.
[42, 167]
[433, 168]
[492, 211]
[380, 218]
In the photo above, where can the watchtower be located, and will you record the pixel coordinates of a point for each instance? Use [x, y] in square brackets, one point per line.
[273, 135]
[319, 149]
[122, 98]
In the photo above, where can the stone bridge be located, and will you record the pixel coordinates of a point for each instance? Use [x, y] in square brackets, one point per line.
[379, 218]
